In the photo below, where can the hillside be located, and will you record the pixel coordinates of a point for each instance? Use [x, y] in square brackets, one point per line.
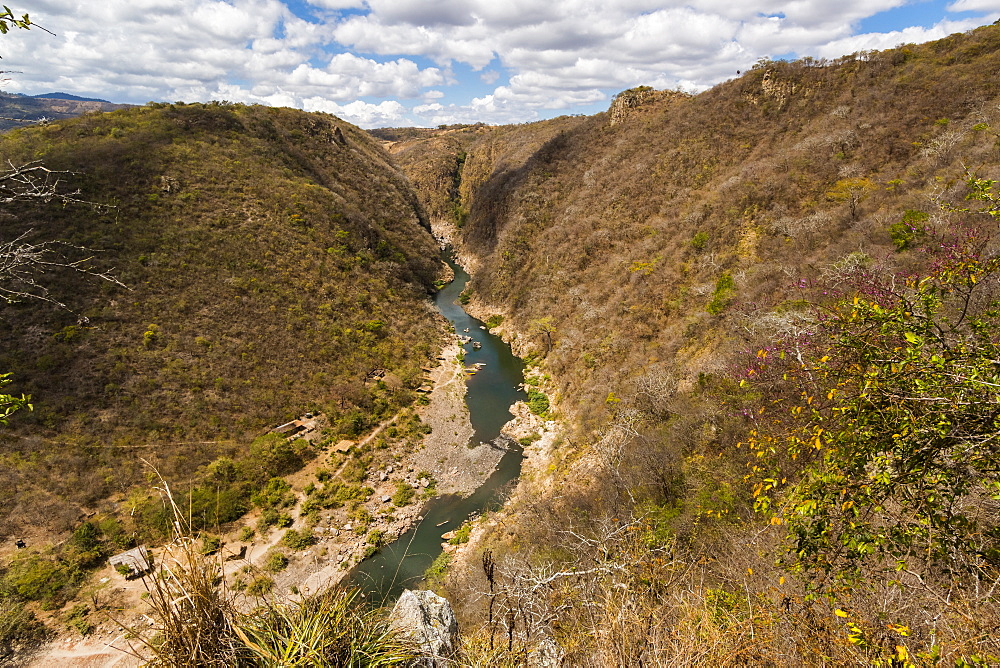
[761, 324]
[648, 261]
[275, 263]
[620, 232]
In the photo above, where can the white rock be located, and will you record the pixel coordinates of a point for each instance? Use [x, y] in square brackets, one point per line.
[428, 619]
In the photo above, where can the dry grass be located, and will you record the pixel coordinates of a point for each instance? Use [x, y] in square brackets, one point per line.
[199, 622]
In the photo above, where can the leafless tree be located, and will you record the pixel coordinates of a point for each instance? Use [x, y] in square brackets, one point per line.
[24, 261]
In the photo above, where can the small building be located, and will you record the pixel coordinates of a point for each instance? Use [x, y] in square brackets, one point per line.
[132, 563]
[344, 446]
[289, 428]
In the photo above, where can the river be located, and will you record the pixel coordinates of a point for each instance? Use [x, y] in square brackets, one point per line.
[491, 392]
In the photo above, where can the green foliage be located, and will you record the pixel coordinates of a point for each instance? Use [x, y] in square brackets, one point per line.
[852, 191]
[438, 567]
[494, 320]
[8, 20]
[329, 629]
[261, 585]
[699, 241]
[275, 561]
[298, 540]
[723, 295]
[36, 577]
[909, 229]
[150, 336]
[538, 403]
[277, 493]
[18, 626]
[525, 441]
[335, 495]
[892, 443]
[210, 544]
[10, 404]
[77, 619]
[462, 534]
[403, 495]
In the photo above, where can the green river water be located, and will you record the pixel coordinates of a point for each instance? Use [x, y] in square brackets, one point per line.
[491, 392]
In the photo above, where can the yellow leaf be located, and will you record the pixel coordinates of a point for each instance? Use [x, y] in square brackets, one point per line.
[750, 571]
[775, 520]
[781, 580]
[839, 613]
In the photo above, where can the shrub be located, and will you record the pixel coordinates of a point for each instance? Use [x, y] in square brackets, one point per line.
[538, 403]
[18, 626]
[260, 586]
[298, 540]
[722, 296]
[462, 534]
[404, 494]
[277, 493]
[438, 567]
[909, 229]
[210, 544]
[34, 577]
[275, 561]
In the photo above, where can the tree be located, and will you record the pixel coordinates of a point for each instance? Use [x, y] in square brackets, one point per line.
[8, 20]
[22, 260]
[888, 458]
[9, 403]
[546, 328]
[852, 191]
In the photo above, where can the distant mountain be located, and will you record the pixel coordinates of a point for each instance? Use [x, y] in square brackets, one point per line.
[68, 96]
[16, 111]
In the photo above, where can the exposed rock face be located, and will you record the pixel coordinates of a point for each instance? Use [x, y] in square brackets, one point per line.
[773, 88]
[428, 619]
[627, 101]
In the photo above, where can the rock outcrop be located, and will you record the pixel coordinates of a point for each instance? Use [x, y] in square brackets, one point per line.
[429, 620]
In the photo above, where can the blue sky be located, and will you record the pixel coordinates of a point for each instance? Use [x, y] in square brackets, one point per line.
[430, 62]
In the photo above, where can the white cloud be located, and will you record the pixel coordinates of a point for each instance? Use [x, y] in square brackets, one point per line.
[880, 41]
[366, 115]
[538, 57]
[975, 6]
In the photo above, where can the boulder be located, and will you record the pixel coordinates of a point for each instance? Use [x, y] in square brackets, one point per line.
[430, 621]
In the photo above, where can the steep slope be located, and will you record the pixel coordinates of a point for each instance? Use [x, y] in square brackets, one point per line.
[275, 263]
[641, 259]
[620, 232]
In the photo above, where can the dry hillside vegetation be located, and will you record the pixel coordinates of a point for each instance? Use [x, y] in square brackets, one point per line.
[656, 268]
[276, 263]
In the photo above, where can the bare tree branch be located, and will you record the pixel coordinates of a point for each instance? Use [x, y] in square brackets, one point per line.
[22, 261]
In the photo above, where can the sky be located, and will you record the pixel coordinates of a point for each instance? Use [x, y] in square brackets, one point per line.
[383, 63]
